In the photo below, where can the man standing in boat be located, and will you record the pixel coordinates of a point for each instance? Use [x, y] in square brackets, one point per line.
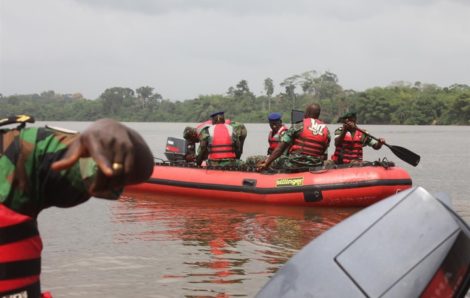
[307, 141]
[44, 167]
[277, 129]
[349, 141]
[220, 143]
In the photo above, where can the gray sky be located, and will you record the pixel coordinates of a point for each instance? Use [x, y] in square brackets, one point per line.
[187, 48]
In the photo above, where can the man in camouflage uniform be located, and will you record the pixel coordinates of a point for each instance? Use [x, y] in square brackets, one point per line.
[239, 134]
[301, 154]
[349, 141]
[191, 136]
[44, 167]
[274, 138]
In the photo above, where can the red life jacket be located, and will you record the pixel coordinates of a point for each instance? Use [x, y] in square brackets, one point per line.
[207, 123]
[220, 142]
[20, 254]
[275, 139]
[350, 149]
[312, 140]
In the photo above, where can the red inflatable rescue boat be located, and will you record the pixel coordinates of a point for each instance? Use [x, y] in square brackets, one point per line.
[351, 186]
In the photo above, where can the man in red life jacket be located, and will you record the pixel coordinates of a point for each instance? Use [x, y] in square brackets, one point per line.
[191, 135]
[349, 141]
[219, 143]
[277, 129]
[44, 167]
[307, 141]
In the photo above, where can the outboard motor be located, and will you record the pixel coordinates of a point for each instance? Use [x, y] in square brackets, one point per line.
[408, 245]
[175, 149]
[296, 116]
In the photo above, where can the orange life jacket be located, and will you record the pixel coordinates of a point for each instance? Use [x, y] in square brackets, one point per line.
[220, 142]
[350, 149]
[275, 138]
[20, 254]
[312, 140]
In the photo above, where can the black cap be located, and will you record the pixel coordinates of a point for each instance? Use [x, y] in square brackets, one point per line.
[217, 113]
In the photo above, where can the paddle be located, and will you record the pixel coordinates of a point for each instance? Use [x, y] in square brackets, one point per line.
[402, 153]
[22, 119]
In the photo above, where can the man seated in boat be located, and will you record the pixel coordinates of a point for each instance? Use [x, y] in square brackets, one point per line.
[191, 135]
[277, 130]
[307, 142]
[274, 138]
[349, 141]
[220, 143]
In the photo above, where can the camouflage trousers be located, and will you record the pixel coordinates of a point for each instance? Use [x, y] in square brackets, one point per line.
[294, 160]
[252, 161]
[224, 162]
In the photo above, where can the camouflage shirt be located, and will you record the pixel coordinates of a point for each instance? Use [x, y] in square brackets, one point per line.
[239, 130]
[27, 182]
[295, 160]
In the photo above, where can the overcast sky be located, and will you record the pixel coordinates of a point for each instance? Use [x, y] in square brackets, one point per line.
[187, 48]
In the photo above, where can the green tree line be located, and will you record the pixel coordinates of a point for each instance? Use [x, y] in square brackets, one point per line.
[399, 103]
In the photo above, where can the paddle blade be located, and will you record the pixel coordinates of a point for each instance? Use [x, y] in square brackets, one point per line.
[405, 155]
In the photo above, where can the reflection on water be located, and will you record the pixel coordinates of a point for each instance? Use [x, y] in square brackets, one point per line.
[226, 243]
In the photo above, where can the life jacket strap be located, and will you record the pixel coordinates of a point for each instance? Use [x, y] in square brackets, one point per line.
[18, 232]
[19, 269]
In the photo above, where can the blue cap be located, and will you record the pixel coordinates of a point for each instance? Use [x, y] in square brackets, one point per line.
[217, 113]
[274, 116]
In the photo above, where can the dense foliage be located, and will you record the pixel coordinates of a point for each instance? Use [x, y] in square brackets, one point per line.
[399, 103]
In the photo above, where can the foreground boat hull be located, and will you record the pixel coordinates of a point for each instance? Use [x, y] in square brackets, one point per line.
[346, 187]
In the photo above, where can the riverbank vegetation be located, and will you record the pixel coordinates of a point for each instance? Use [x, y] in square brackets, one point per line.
[399, 103]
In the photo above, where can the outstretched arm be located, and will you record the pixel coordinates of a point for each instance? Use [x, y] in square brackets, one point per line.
[276, 153]
[121, 154]
[202, 153]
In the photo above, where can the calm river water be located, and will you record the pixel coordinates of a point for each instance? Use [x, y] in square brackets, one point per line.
[142, 247]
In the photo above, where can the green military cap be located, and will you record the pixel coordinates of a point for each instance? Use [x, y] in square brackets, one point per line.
[349, 114]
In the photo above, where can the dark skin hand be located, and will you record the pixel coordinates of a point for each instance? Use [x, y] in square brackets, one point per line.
[348, 125]
[190, 157]
[379, 144]
[276, 153]
[121, 154]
